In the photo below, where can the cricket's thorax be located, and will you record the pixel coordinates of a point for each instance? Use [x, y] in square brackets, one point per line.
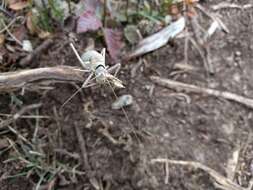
[100, 73]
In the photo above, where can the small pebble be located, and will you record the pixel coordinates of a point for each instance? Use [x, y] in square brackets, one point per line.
[168, 19]
[131, 34]
[27, 46]
[238, 53]
[122, 101]
[4, 143]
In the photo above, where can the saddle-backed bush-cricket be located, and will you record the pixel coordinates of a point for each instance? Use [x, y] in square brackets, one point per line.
[93, 62]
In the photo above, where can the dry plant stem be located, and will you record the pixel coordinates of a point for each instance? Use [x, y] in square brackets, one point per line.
[9, 25]
[213, 17]
[30, 57]
[196, 89]
[166, 180]
[220, 181]
[186, 43]
[11, 35]
[200, 43]
[5, 12]
[18, 79]
[18, 114]
[65, 152]
[204, 55]
[87, 167]
[27, 116]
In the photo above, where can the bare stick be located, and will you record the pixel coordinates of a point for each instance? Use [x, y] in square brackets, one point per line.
[196, 89]
[11, 35]
[82, 144]
[225, 5]
[86, 165]
[13, 80]
[220, 181]
[9, 25]
[208, 66]
[213, 17]
[6, 12]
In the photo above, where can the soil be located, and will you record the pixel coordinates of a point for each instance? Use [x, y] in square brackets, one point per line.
[159, 124]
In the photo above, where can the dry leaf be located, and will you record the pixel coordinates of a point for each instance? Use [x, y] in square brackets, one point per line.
[158, 39]
[44, 34]
[18, 5]
[20, 33]
[2, 39]
[88, 21]
[29, 23]
[113, 40]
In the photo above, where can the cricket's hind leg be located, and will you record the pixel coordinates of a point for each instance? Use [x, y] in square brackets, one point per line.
[115, 67]
[84, 85]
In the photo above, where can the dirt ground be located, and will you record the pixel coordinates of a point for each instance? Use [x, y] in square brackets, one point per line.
[159, 124]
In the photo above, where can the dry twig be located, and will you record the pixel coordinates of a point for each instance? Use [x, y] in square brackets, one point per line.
[18, 114]
[85, 160]
[224, 5]
[3, 10]
[30, 57]
[196, 89]
[220, 181]
[82, 144]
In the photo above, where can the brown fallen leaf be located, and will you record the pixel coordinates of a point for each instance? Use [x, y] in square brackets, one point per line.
[44, 34]
[18, 5]
[29, 23]
[20, 33]
[32, 26]
[88, 21]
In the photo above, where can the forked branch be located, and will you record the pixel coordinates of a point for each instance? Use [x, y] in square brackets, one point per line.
[18, 79]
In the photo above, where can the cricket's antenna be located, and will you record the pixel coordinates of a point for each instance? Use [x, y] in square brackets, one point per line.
[124, 112]
[77, 55]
